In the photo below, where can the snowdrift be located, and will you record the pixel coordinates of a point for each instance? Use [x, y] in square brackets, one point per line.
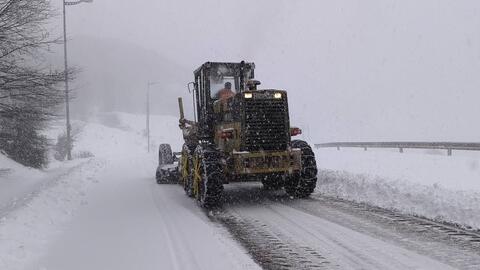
[433, 185]
[15, 179]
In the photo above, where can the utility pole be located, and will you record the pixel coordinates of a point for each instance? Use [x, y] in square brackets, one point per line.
[148, 113]
[67, 99]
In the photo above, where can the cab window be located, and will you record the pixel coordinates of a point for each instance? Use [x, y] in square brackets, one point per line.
[218, 83]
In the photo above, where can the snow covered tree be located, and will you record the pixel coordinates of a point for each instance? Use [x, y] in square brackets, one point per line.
[29, 90]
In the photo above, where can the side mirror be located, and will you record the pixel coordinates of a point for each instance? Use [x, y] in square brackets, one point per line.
[191, 87]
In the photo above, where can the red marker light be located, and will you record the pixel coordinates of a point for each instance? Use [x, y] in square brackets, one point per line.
[295, 131]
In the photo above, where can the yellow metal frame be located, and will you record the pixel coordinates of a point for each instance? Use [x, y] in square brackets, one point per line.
[185, 172]
[197, 176]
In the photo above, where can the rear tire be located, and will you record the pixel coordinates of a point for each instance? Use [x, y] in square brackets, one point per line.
[302, 184]
[207, 176]
[186, 170]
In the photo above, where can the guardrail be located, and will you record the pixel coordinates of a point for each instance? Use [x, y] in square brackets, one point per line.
[449, 146]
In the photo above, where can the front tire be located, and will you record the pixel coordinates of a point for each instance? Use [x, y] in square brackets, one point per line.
[303, 183]
[158, 177]
[165, 155]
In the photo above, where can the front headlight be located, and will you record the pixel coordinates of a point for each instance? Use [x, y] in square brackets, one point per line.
[248, 95]
[277, 95]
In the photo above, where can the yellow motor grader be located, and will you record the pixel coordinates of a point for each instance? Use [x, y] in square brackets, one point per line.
[244, 137]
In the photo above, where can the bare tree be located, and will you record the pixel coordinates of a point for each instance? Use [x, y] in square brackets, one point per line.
[29, 93]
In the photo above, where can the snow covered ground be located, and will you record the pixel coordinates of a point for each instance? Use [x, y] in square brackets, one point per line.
[107, 212]
[19, 183]
[425, 183]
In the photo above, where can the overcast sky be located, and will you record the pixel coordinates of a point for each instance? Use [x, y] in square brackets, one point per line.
[355, 70]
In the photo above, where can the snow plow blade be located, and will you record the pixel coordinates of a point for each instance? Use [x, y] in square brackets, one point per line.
[167, 174]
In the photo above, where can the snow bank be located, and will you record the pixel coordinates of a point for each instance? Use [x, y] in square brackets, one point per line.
[19, 182]
[25, 233]
[15, 179]
[437, 186]
[122, 133]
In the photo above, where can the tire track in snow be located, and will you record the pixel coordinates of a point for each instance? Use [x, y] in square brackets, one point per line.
[288, 234]
[269, 248]
[195, 242]
[173, 246]
[444, 242]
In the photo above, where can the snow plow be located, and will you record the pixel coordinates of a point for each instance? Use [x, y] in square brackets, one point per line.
[239, 133]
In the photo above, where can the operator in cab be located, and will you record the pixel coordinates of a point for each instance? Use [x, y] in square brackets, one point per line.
[225, 93]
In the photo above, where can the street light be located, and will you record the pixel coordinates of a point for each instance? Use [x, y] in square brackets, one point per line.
[67, 106]
[148, 113]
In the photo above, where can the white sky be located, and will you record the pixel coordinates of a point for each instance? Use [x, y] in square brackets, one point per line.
[355, 70]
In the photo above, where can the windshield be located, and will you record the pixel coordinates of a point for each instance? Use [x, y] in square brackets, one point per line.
[227, 77]
[219, 84]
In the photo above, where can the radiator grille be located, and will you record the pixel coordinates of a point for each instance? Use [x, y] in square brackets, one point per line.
[265, 125]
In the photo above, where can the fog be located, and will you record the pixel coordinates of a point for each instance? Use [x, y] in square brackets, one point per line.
[355, 70]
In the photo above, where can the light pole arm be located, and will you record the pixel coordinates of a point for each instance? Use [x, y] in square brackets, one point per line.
[76, 2]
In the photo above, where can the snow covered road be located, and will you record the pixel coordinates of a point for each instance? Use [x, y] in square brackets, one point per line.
[327, 234]
[107, 212]
[132, 223]
[129, 222]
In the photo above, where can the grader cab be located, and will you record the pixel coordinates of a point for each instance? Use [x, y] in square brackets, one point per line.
[245, 136]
